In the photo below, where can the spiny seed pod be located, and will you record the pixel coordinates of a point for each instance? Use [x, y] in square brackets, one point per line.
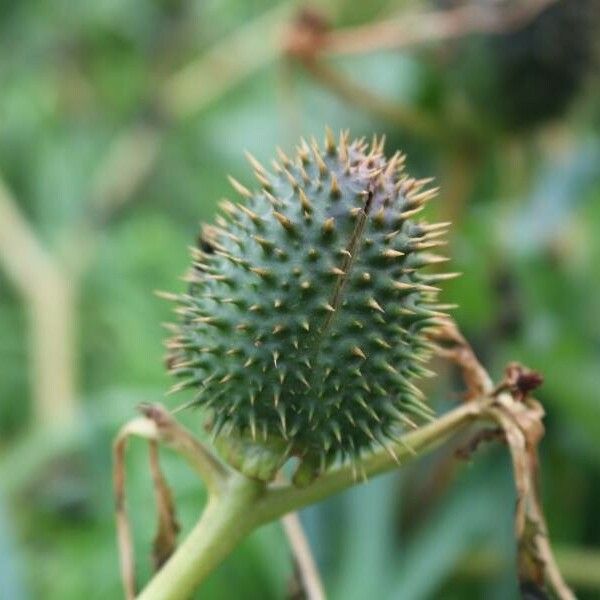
[304, 326]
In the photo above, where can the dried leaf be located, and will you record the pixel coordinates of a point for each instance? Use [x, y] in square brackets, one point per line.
[165, 540]
[521, 419]
[453, 346]
[143, 428]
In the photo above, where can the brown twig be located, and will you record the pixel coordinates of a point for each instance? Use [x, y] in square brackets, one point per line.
[490, 434]
[310, 40]
[304, 41]
[437, 26]
[452, 345]
[519, 418]
[353, 93]
[306, 579]
[306, 568]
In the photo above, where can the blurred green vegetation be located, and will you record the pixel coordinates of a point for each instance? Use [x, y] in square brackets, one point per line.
[524, 195]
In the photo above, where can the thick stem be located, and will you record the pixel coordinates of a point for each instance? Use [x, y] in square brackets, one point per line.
[226, 521]
[245, 504]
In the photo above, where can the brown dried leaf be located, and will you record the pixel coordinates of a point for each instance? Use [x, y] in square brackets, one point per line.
[453, 346]
[165, 540]
[146, 429]
[521, 419]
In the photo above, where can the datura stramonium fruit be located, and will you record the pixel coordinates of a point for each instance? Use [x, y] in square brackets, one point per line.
[304, 325]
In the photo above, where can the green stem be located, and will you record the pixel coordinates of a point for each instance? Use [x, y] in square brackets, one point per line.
[280, 500]
[245, 504]
[224, 523]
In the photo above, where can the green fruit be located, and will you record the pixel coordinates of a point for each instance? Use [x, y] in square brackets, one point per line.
[304, 326]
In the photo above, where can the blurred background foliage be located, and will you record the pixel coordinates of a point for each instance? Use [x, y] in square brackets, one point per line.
[118, 123]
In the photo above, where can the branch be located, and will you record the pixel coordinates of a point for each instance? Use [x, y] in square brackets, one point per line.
[452, 345]
[49, 296]
[307, 571]
[282, 499]
[306, 574]
[437, 26]
[520, 416]
[226, 521]
[305, 41]
[310, 39]
[246, 504]
[520, 420]
[225, 65]
[359, 96]
[22, 254]
[536, 561]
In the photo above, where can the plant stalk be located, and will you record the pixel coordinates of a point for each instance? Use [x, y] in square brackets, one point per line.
[246, 504]
[225, 522]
